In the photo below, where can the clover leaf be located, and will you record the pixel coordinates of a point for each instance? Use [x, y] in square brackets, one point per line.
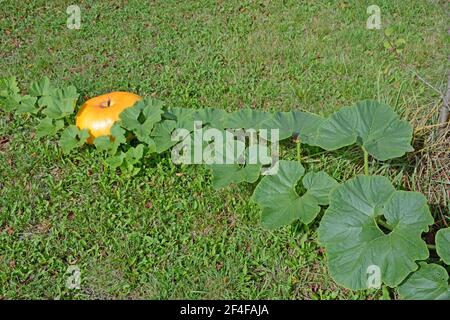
[354, 241]
[72, 137]
[443, 244]
[373, 125]
[280, 202]
[304, 124]
[430, 282]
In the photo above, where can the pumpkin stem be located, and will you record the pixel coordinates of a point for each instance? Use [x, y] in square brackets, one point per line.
[106, 104]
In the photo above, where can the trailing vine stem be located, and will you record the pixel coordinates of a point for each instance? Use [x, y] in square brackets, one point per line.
[299, 150]
[366, 161]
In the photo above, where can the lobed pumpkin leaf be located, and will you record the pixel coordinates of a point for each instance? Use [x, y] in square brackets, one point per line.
[8, 87]
[354, 241]
[372, 124]
[214, 118]
[443, 244]
[10, 99]
[184, 117]
[42, 88]
[141, 118]
[72, 137]
[115, 161]
[162, 133]
[103, 143]
[304, 124]
[111, 143]
[60, 104]
[281, 204]
[429, 282]
[226, 174]
[247, 118]
[27, 105]
[49, 127]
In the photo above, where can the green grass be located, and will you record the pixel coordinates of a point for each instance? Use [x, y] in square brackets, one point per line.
[166, 233]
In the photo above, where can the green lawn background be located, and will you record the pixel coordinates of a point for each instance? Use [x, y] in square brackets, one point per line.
[166, 233]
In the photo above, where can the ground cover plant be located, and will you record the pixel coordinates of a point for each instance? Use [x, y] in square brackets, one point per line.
[336, 174]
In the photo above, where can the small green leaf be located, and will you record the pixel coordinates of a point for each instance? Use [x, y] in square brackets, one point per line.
[103, 143]
[42, 88]
[378, 128]
[49, 127]
[141, 118]
[72, 137]
[115, 161]
[354, 241]
[430, 282]
[443, 244]
[8, 87]
[9, 94]
[118, 137]
[389, 31]
[133, 155]
[280, 202]
[60, 104]
[27, 105]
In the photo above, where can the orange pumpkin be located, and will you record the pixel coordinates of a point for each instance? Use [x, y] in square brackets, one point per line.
[99, 114]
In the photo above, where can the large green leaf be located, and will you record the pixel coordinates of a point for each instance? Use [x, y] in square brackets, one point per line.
[281, 204]
[295, 122]
[162, 135]
[247, 118]
[372, 124]
[354, 241]
[430, 282]
[443, 244]
[184, 117]
[213, 118]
